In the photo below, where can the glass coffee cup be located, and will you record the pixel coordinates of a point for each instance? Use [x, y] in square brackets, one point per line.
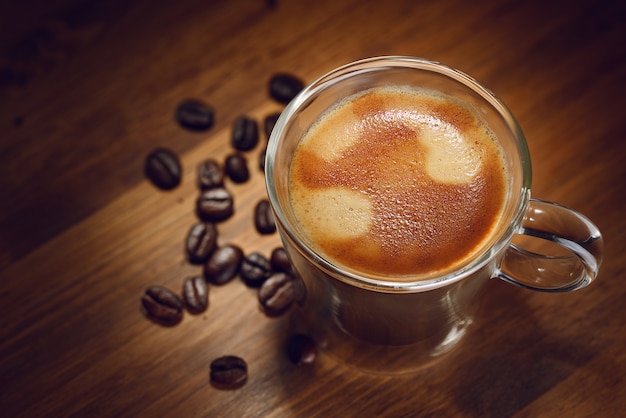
[375, 317]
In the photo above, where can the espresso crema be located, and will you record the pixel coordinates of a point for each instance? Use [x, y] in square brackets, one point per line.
[398, 182]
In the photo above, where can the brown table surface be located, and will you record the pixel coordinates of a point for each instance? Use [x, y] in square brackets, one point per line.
[87, 89]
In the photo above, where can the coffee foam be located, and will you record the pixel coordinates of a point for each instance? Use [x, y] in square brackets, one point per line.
[397, 181]
[451, 158]
[334, 212]
[339, 132]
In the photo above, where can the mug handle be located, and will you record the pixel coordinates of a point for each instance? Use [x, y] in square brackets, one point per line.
[575, 241]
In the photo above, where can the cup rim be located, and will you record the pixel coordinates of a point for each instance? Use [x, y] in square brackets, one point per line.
[376, 283]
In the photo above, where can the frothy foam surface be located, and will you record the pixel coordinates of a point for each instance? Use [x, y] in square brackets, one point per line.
[334, 213]
[397, 181]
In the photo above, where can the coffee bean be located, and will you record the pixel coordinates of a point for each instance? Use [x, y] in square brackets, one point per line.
[280, 261]
[301, 349]
[215, 205]
[269, 122]
[210, 175]
[255, 269]
[284, 87]
[277, 294]
[201, 241]
[262, 159]
[223, 265]
[194, 115]
[162, 305]
[264, 218]
[236, 167]
[162, 167]
[196, 294]
[245, 134]
[228, 372]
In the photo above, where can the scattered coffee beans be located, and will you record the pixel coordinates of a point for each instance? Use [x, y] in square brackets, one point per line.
[280, 261]
[245, 134]
[255, 269]
[284, 87]
[201, 241]
[269, 122]
[301, 349]
[215, 205]
[194, 115]
[196, 294]
[277, 294]
[228, 372]
[236, 167]
[162, 167]
[210, 175]
[278, 289]
[223, 265]
[264, 218]
[162, 305]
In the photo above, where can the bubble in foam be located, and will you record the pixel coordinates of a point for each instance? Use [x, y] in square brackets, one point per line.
[334, 212]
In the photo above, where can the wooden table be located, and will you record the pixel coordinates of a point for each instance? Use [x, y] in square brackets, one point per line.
[87, 89]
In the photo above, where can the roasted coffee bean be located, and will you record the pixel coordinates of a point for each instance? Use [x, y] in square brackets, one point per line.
[162, 167]
[277, 294]
[255, 269]
[196, 294]
[194, 115]
[269, 123]
[280, 261]
[245, 134]
[301, 349]
[264, 218]
[223, 265]
[215, 205]
[284, 87]
[201, 241]
[210, 175]
[262, 159]
[162, 305]
[228, 372]
[236, 167]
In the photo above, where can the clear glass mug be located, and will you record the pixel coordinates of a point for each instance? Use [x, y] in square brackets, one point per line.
[389, 327]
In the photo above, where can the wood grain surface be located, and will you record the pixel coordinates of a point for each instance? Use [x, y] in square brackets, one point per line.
[89, 88]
